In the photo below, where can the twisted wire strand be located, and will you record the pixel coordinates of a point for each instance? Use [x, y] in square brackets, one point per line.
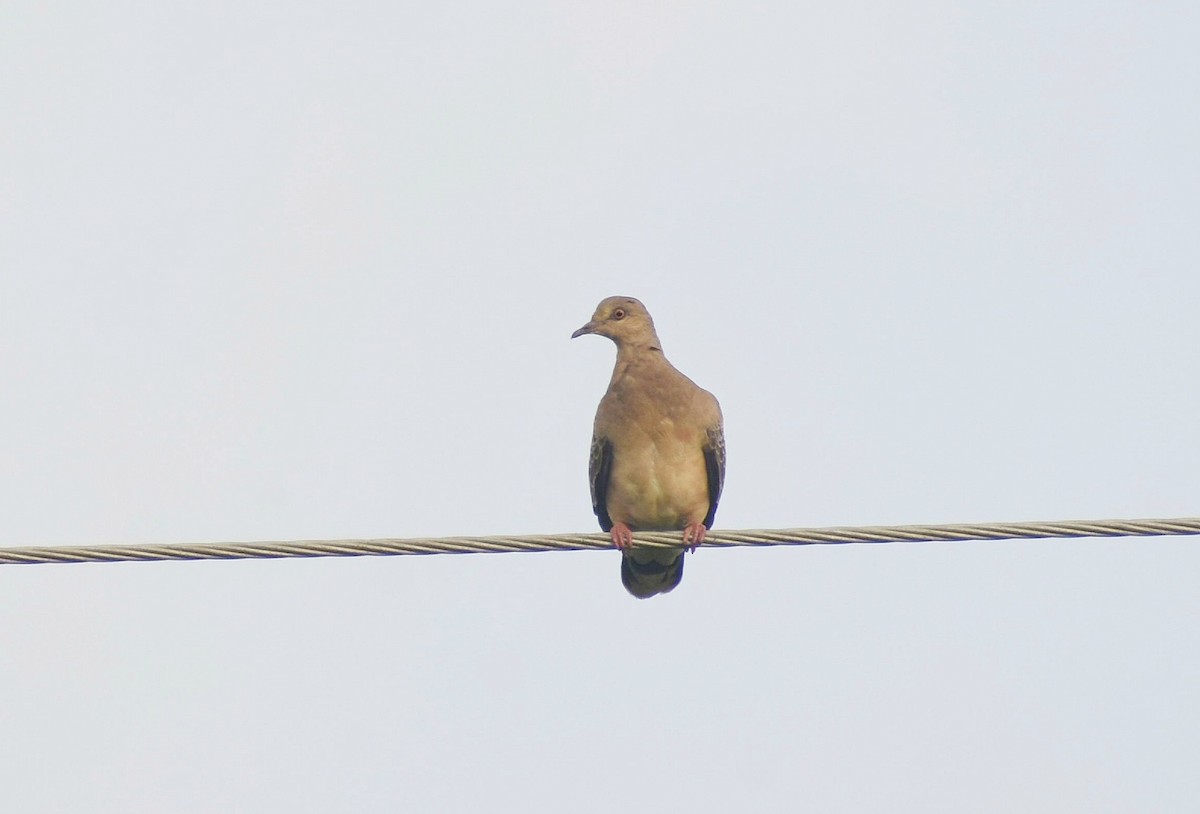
[954, 532]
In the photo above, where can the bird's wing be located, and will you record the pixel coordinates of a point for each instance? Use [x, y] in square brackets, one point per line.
[714, 463]
[599, 468]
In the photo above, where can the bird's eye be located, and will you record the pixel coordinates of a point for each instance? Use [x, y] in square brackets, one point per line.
[619, 313]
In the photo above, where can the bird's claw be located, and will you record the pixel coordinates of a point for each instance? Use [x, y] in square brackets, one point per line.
[622, 536]
[693, 535]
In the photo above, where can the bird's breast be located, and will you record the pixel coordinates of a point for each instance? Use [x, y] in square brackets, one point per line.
[659, 482]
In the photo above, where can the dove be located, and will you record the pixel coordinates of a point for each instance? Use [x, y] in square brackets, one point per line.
[657, 458]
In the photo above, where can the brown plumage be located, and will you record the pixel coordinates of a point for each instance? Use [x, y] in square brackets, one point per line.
[658, 450]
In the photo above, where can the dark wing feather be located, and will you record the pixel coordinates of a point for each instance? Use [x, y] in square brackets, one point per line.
[599, 468]
[714, 462]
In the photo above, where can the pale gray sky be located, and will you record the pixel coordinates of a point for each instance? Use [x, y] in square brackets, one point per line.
[308, 270]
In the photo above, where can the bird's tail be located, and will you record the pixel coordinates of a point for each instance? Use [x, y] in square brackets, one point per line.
[649, 571]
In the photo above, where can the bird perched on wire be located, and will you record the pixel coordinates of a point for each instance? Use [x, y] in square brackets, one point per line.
[658, 450]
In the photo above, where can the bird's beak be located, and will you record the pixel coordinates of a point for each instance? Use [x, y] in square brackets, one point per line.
[590, 328]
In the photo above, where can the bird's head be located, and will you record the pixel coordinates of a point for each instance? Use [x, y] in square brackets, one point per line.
[624, 320]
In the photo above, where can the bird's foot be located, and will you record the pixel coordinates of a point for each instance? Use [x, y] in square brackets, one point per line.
[622, 536]
[693, 535]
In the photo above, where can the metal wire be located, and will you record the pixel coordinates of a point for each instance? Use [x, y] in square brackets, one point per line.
[32, 555]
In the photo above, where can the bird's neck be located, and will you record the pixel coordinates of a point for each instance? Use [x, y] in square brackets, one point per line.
[636, 354]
